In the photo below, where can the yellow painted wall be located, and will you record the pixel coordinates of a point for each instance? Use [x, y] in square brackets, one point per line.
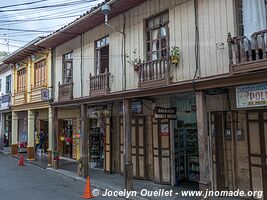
[29, 65]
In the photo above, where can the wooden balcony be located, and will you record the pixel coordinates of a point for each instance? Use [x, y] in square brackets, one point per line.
[20, 98]
[99, 84]
[65, 91]
[154, 73]
[248, 55]
[36, 93]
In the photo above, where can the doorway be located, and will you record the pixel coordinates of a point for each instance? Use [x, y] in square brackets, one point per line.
[257, 150]
[186, 140]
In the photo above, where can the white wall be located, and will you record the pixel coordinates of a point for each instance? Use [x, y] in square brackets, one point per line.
[215, 21]
[3, 86]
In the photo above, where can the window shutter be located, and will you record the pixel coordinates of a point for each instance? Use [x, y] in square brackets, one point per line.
[239, 17]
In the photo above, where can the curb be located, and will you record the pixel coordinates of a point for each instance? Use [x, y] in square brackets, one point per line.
[70, 175]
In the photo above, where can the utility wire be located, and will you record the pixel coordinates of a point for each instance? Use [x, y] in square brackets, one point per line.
[22, 4]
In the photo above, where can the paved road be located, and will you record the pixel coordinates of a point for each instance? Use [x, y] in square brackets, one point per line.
[33, 183]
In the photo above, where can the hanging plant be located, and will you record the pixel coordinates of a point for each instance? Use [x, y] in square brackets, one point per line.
[135, 62]
[175, 55]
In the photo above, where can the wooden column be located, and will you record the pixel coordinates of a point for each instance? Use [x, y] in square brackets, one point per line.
[55, 136]
[128, 164]
[50, 135]
[14, 142]
[30, 146]
[203, 141]
[84, 146]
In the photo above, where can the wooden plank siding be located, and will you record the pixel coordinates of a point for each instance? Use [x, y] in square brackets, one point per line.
[214, 24]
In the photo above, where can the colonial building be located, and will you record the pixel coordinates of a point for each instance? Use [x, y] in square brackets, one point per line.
[5, 109]
[102, 63]
[31, 111]
[162, 89]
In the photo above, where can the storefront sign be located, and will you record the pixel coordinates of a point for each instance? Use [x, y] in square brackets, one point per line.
[165, 113]
[45, 94]
[5, 98]
[137, 107]
[251, 95]
[98, 113]
[164, 129]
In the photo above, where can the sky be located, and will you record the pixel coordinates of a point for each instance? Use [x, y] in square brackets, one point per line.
[20, 24]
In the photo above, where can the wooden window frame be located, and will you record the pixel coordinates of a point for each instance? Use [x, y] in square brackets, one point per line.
[97, 52]
[149, 36]
[67, 59]
[21, 80]
[8, 84]
[40, 73]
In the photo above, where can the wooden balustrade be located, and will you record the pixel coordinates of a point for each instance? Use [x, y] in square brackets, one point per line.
[65, 91]
[154, 73]
[99, 84]
[247, 54]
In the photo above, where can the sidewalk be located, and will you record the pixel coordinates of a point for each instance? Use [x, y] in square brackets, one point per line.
[115, 182]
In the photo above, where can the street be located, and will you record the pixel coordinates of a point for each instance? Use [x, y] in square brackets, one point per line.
[33, 183]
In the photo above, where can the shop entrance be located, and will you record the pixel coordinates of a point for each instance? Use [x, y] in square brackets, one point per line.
[138, 147]
[96, 143]
[186, 140]
[7, 129]
[66, 138]
[257, 146]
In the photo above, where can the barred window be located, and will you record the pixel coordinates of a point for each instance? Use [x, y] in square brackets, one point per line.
[67, 68]
[21, 80]
[157, 36]
[40, 73]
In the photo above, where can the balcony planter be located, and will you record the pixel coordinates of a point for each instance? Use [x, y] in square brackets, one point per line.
[136, 67]
[175, 55]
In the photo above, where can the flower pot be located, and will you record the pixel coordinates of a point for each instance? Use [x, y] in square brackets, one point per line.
[62, 138]
[174, 60]
[136, 68]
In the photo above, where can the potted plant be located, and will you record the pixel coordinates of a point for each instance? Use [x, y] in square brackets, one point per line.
[175, 53]
[55, 160]
[135, 62]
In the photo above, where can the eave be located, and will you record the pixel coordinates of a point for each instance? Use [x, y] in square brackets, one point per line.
[87, 22]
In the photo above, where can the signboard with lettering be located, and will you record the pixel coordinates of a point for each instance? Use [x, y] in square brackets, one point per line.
[45, 94]
[251, 95]
[137, 107]
[165, 113]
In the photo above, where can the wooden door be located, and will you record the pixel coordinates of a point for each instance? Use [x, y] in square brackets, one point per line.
[161, 151]
[138, 147]
[219, 148]
[107, 146]
[257, 146]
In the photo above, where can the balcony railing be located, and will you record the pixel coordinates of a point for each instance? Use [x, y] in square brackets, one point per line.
[154, 73]
[20, 98]
[246, 55]
[65, 91]
[99, 84]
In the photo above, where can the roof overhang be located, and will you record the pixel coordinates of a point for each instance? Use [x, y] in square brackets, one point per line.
[87, 22]
[24, 52]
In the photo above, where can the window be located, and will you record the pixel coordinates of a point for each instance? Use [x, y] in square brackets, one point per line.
[40, 73]
[67, 68]
[8, 84]
[21, 80]
[157, 36]
[251, 16]
[102, 55]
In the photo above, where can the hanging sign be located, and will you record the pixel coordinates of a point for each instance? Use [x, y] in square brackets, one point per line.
[164, 129]
[45, 94]
[165, 113]
[251, 95]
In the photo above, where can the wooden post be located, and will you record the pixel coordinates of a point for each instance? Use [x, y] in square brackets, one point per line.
[203, 142]
[128, 165]
[84, 148]
[230, 50]
[55, 136]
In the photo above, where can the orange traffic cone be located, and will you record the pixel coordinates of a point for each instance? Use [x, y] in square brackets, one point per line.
[87, 194]
[21, 161]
